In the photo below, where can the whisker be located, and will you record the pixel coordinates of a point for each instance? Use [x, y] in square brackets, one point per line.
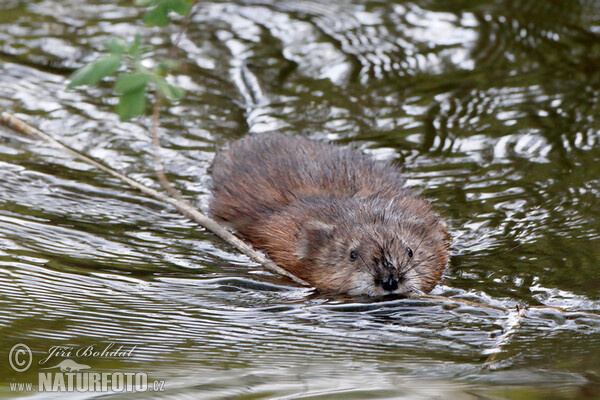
[421, 262]
[369, 269]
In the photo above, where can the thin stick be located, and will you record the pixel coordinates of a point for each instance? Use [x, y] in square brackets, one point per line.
[464, 301]
[500, 308]
[159, 168]
[184, 26]
[183, 207]
[513, 322]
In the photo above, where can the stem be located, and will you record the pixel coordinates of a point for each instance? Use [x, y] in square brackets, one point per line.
[158, 163]
[181, 206]
[513, 322]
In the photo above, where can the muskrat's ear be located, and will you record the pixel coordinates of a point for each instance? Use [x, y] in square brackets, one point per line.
[313, 236]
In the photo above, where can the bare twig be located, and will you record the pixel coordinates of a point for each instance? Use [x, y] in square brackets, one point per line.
[183, 207]
[154, 131]
[513, 321]
[158, 164]
[463, 301]
[505, 309]
[184, 25]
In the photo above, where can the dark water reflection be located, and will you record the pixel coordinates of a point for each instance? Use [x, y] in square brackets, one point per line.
[491, 108]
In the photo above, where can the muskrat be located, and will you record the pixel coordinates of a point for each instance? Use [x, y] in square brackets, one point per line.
[330, 215]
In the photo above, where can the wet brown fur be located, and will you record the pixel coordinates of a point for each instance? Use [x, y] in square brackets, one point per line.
[329, 215]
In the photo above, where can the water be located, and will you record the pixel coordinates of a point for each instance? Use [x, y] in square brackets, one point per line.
[490, 107]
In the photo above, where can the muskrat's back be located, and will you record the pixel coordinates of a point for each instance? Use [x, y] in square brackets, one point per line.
[261, 173]
[312, 206]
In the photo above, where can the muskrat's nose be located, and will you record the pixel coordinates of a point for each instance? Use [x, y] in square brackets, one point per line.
[389, 284]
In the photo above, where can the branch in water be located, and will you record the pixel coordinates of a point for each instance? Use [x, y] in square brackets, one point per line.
[159, 168]
[183, 207]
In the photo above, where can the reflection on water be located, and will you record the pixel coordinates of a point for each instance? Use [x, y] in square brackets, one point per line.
[489, 106]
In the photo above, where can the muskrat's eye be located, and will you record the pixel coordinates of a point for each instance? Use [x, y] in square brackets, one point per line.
[409, 252]
[353, 255]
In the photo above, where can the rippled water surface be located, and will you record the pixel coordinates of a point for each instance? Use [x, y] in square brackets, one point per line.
[491, 107]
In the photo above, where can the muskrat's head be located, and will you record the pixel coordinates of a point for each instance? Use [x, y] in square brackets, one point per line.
[376, 251]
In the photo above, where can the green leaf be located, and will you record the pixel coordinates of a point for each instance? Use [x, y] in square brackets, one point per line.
[131, 82]
[158, 16]
[116, 45]
[168, 91]
[132, 104]
[168, 65]
[145, 49]
[146, 3]
[93, 73]
[134, 46]
[171, 92]
[181, 7]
